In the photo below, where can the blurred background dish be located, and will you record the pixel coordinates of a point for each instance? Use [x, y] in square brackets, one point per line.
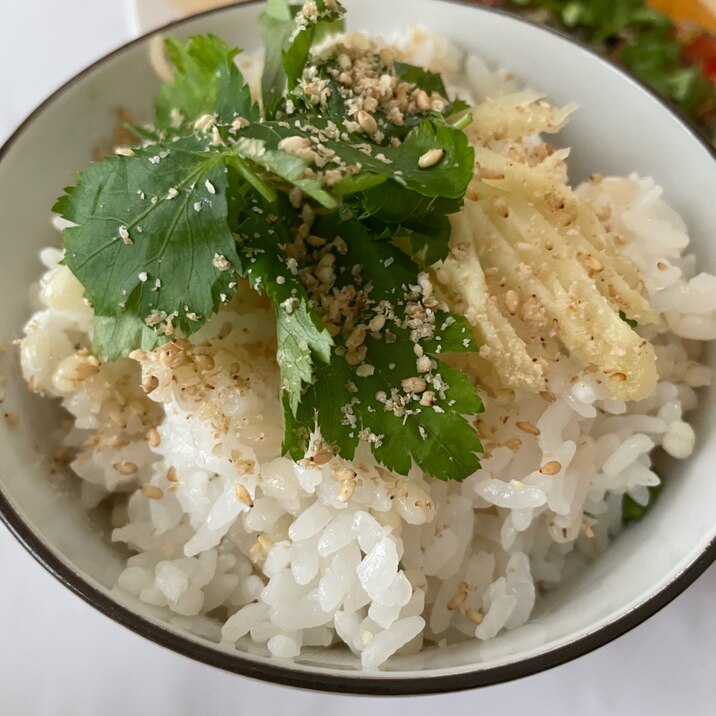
[150, 14]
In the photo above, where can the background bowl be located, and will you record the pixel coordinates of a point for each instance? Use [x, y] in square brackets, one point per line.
[620, 128]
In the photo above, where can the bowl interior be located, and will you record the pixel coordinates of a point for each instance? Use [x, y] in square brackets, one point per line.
[619, 128]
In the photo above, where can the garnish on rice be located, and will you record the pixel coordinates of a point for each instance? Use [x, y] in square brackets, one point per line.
[332, 194]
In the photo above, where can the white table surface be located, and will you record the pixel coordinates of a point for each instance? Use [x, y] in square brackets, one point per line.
[59, 656]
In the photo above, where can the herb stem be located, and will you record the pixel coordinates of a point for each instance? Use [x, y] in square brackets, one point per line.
[242, 167]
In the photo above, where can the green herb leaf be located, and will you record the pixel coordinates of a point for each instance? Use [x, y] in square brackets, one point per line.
[632, 511]
[149, 230]
[447, 177]
[370, 399]
[206, 81]
[421, 78]
[420, 221]
[305, 32]
[260, 145]
[629, 321]
[430, 83]
[302, 339]
[275, 25]
[117, 336]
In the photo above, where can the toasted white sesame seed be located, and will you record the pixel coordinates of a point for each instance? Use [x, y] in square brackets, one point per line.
[594, 265]
[242, 494]
[239, 123]
[210, 187]
[204, 123]
[365, 370]
[220, 262]
[431, 158]
[367, 122]
[512, 301]
[475, 616]
[423, 101]
[294, 144]
[152, 492]
[153, 437]
[216, 138]
[528, 428]
[126, 468]
[459, 598]
[150, 383]
[143, 276]
[413, 385]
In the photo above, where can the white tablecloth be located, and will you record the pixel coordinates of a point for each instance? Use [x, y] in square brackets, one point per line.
[60, 657]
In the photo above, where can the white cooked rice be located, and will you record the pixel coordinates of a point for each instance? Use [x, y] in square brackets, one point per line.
[325, 551]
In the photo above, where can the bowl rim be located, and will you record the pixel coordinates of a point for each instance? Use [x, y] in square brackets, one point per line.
[337, 682]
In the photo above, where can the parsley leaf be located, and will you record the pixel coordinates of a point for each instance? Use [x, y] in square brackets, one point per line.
[302, 338]
[429, 82]
[117, 336]
[288, 34]
[447, 178]
[148, 230]
[260, 145]
[275, 25]
[206, 81]
[308, 24]
[422, 222]
[379, 396]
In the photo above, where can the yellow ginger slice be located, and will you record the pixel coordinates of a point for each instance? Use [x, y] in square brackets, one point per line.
[514, 116]
[462, 280]
[556, 269]
[578, 229]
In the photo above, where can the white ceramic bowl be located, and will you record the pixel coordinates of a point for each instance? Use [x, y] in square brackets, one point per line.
[620, 128]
